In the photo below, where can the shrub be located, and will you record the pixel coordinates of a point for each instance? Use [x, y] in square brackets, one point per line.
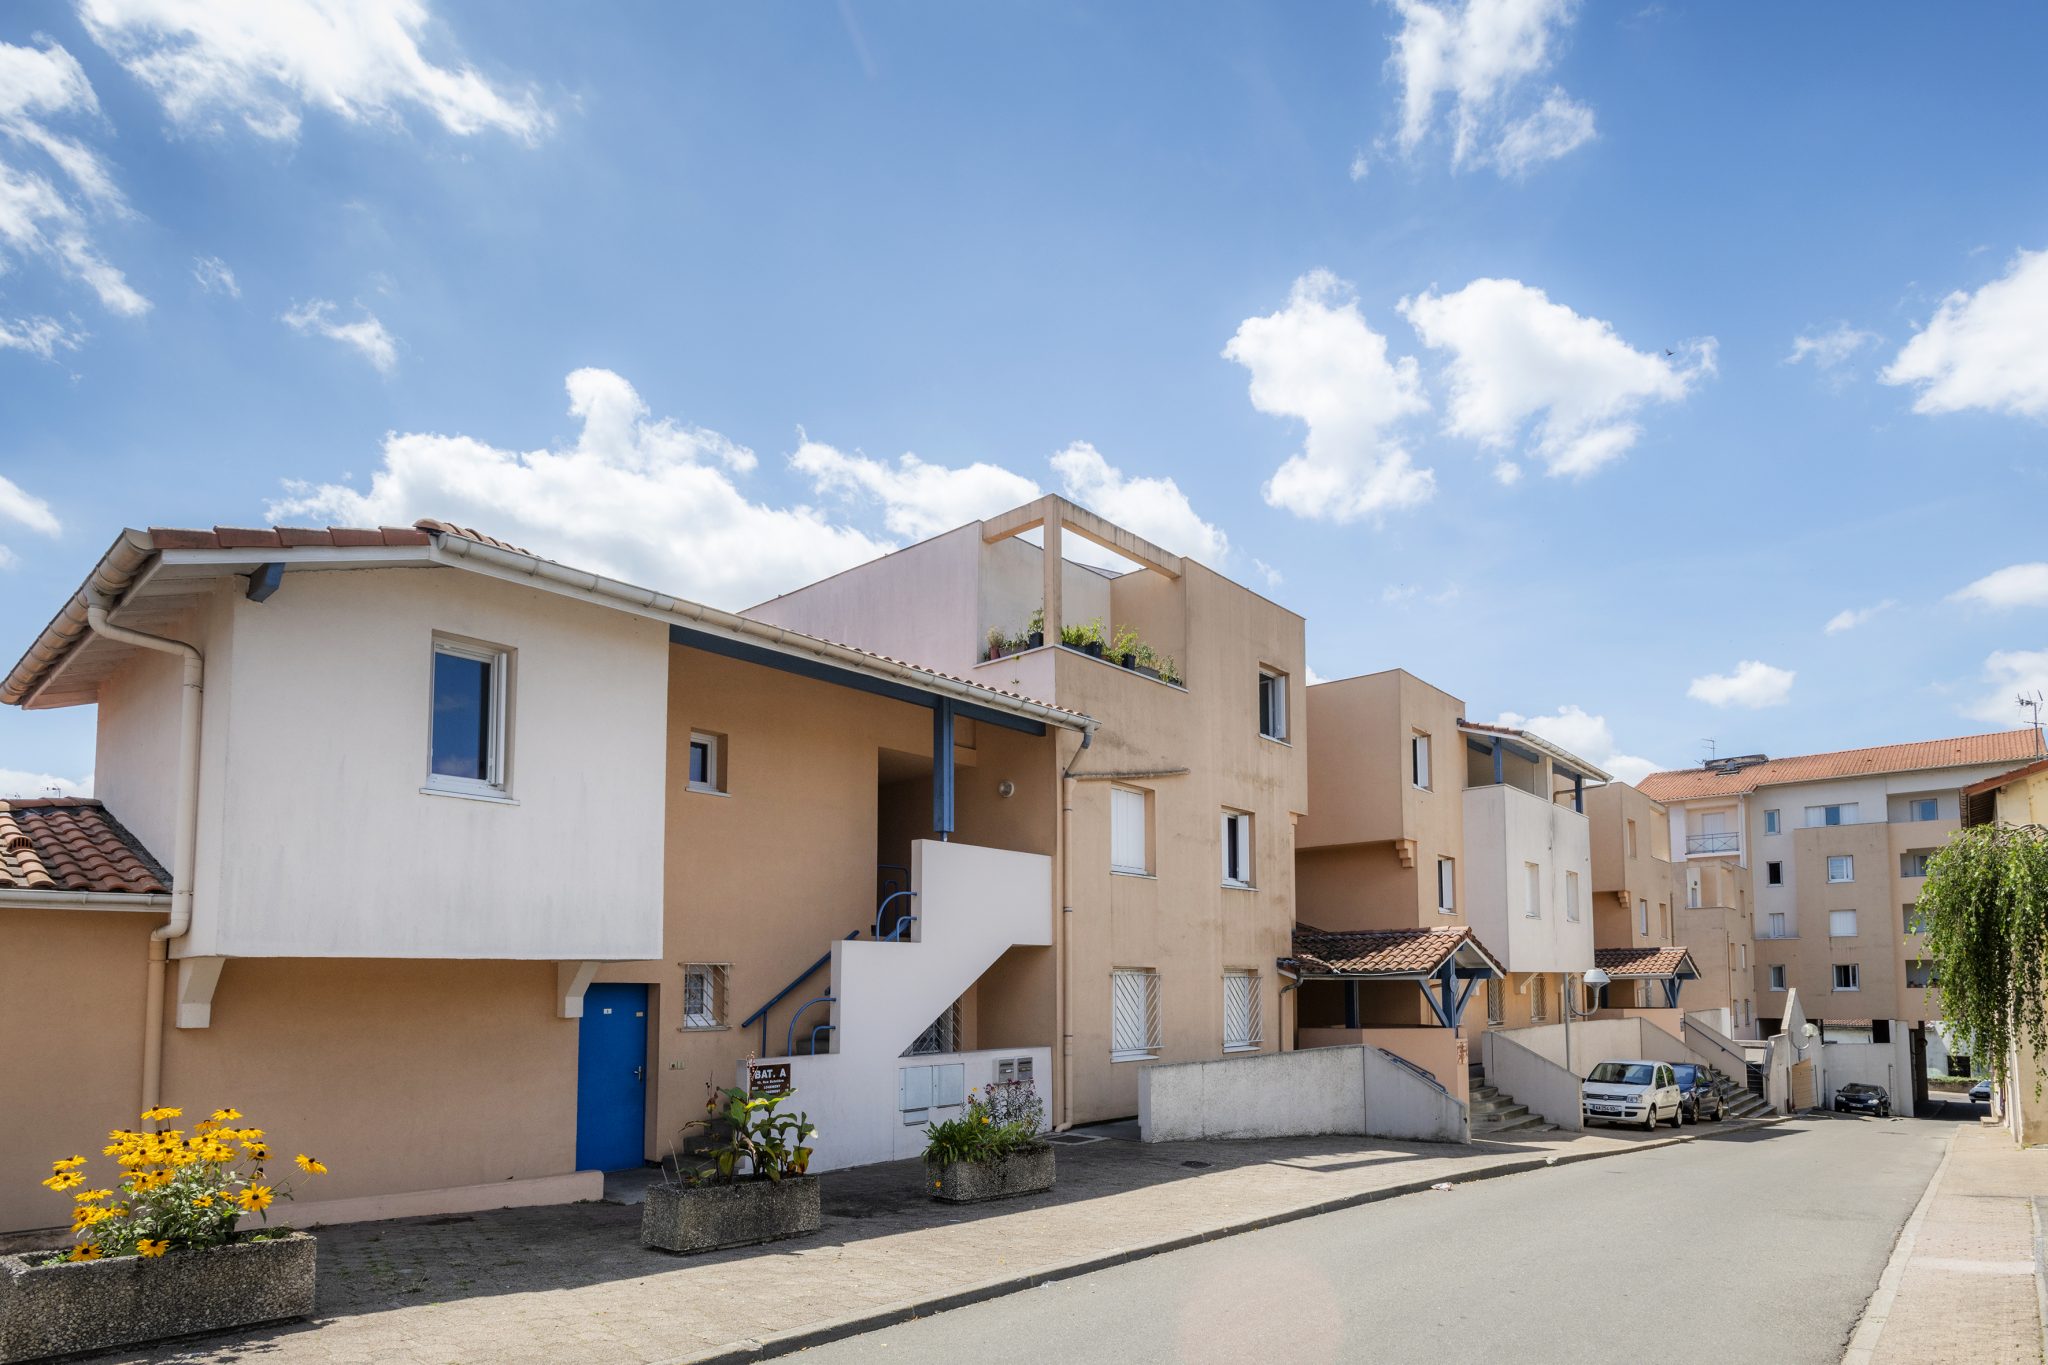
[748, 1140]
[177, 1191]
[994, 1127]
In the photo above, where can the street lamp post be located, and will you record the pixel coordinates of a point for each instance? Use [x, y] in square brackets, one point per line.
[1596, 979]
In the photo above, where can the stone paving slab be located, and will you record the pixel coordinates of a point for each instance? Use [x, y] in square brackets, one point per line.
[572, 1282]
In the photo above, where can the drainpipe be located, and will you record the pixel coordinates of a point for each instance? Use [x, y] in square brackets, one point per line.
[185, 850]
[1063, 964]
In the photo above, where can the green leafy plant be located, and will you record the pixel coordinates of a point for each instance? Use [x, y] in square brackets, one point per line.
[748, 1140]
[1169, 671]
[1124, 641]
[997, 643]
[1036, 625]
[994, 1127]
[1984, 911]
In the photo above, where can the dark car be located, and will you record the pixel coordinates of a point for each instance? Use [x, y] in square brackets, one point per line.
[1697, 1097]
[1981, 1092]
[1858, 1098]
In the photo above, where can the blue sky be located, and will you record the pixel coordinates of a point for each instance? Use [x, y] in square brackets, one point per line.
[1467, 331]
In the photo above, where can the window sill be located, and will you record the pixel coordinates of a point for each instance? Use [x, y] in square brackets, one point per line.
[1130, 872]
[1447, 909]
[491, 798]
[1230, 1049]
[705, 1028]
[1280, 740]
[1239, 886]
[1133, 1056]
[707, 791]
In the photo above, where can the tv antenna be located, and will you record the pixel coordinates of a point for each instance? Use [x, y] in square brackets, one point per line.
[2031, 703]
[1712, 751]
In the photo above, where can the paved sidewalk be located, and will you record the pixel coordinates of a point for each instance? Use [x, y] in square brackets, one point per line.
[1966, 1281]
[572, 1281]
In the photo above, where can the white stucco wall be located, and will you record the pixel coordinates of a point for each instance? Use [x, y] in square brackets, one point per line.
[1887, 1064]
[136, 751]
[921, 604]
[1348, 1090]
[315, 838]
[1506, 829]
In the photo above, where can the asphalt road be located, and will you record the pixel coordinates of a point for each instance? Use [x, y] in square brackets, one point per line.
[1762, 1246]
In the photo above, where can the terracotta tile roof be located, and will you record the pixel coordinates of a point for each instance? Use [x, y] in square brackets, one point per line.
[1686, 784]
[292, 537]
[72, 844]
[1379, 952]
[1992, 784]
[1648, 961]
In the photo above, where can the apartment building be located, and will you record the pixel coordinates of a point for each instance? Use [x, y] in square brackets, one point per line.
[1835, 845]
[1444, 873]
[1175, 868]
[469, 871]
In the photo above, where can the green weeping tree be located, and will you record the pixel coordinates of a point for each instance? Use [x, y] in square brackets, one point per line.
[1984, 910]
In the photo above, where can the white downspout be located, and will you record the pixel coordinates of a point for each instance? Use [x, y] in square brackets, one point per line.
[184, 852]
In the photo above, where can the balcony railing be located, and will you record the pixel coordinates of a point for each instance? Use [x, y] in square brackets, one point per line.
[1713, 843]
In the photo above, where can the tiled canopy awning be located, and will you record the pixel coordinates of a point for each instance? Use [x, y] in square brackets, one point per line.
[1393, 954]
[71, 845]
[1654, 962]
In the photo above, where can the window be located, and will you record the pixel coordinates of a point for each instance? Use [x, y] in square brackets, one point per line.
[1914, 862]
[1539, 1007]
[1923, 808]
[1841, 868]
[703, 995]
[1742, 957]
[1446, 885]
[1777, 976]
[1643, 918]
[1133, 1013]
[1664, 921]
[1771, 822]
[1912, 918]
[1847, 977]
[941, 1035]
[1841, 924]
[1832, 815]
[1692, 894]
[1774, 874]
[707, 767]
[1631, 838]
[1532, 892]
[1571, 896]
[1237, 848]
[1418, 760]
[1496, 1001]
[1777, 925]
[1129, 844]
[1240, 1011]
[468, 719]
[1272, 704]
[1919, 973]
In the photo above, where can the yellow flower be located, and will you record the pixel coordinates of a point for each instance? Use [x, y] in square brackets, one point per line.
[202, 1201]
[256, 1151]
[92, 1196]
[85, 1251]
[147, 1248]
[225, 1115]
[160, 1113]
[64, 1180]
[69, 1163]
[309, 1165]
[255, 1199]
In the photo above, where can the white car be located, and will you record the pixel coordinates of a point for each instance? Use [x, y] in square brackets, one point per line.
[1636, 1091]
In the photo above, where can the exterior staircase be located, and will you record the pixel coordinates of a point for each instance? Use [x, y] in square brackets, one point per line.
[1740, 1100]
[1497, 1115]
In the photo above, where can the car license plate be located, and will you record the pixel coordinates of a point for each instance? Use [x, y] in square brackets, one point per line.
[1604, 1109]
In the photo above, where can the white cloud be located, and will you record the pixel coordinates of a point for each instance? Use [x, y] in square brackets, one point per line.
[15, 782]
[1830, 348]
[266, 61]
[24, 508]
[918, 499]
[38, 219]
[1154, 508]
[2010, 674]
[1590, 737]
[1360, 167]
[1851, 617]
[2015, 585]
[1985, 350]
[650, 502]
[1317, 360]
[1516, 354]
[1408, 594]
[1272, 576]
[1315, 677]
[1753, 684]
[41, 336]
[1484, 56]
[365, 334]
[215, 277]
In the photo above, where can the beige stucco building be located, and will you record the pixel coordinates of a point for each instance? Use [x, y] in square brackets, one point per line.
[1176, 880]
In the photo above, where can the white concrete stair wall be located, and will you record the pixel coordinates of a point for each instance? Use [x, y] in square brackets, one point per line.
[1351, 1090]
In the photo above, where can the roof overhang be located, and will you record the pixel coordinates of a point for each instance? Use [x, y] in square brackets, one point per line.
[1646, 965]
[1534, 747]
[1468, 957]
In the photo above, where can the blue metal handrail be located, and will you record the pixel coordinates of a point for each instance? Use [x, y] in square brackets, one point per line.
[1401, 1061]
[789, 1041]
[794, 982]
[822, 1028]
[898, 927]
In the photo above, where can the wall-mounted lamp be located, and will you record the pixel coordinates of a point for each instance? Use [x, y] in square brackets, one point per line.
[1006, 789]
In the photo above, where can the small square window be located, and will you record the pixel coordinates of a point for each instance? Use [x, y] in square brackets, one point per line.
[1841, 924]
[467, 743]
[1237, 849]
[707, 762]
[1447, 885]
[1776, 925]
[1272, 704]
[1130, 821]
[704, 995]
[1923, 808]
[1770, 822]
[1841, 868]
[1912, 918]
[1774, 874]
[1777, 976]
[1914, 862]
[1919, 973]
[1418, 760]
[1848, 977]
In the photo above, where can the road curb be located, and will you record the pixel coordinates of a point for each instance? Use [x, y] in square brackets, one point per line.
[1863, 1338]
[906, 1310]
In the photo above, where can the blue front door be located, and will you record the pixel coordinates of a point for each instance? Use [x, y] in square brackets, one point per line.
[611, 1079]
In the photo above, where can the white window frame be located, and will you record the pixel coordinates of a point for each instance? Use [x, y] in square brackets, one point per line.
[1142, 983]
[1777, 976]
[1571, 897]
[1906, 861]
[1447, 886]
[1251, 1036]
[712, 758]
[1855, 971]
[1532, 890]
[1774, 873]
[1845, 814]
[714, 975]
[1776, 924]
[1237, 839]
[1121, 800]
[1848, 862]
[493, 785]
[1421, 772]
[1772, 822]
[1913, 805]
[1643, 916]
[1279, 709]
[1836, 923]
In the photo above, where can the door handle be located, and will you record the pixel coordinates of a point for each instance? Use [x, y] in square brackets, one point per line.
[639, 1073]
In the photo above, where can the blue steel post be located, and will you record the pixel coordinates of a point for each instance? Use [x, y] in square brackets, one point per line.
[942, 768]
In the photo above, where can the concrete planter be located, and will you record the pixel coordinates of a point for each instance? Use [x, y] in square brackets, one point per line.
[48, 1310]
[970, 1182]
[712, 1216]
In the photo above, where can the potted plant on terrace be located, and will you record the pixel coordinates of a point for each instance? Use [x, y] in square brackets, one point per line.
[752, 1186]
[1123, 646]
[158, 1252]
[1034, 629]
[992, 1151]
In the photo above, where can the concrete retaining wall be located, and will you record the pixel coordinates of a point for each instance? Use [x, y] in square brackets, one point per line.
[1354, 1090]
[1535, 1081]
